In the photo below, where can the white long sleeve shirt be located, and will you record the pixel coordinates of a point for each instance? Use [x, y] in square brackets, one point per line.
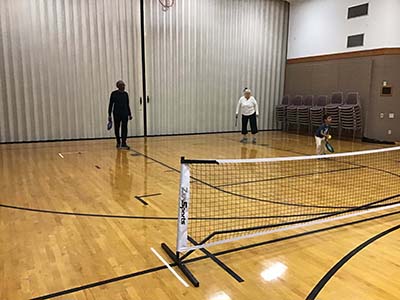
[247, 106]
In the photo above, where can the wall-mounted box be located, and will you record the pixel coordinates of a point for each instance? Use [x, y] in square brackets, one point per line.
[386, 90]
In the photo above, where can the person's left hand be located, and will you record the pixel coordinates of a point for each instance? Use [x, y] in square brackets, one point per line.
[130, 117]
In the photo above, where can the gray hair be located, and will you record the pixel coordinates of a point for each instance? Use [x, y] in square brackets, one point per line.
[247, 91]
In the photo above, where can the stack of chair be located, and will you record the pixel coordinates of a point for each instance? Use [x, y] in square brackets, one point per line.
[308, 111]
[350, 114]
[303, 111]
[318, 110]
[280, 110]
[292, 111]
[333, 108]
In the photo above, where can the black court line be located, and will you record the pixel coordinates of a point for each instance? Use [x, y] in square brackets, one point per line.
[155, 160]
[320, 285]
[233, 250]
[150, 195]
[140, 198]
[86, 214]
[218, 261]
[274, 201]
[99, 283]
[368, 167]
[77, 214]
[291, 176]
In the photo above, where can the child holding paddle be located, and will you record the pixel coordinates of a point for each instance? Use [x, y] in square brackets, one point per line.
[322, 134]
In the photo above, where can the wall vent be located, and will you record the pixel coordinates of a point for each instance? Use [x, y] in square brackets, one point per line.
[357, 11]
[356, 40]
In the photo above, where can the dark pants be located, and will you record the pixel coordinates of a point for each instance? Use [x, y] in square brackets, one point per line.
[253, 123]
[121, 121]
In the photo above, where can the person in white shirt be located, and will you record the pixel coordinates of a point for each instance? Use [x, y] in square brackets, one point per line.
[248, 107]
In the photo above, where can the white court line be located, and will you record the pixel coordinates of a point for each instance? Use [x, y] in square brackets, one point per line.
[60, 155]
[169, 267]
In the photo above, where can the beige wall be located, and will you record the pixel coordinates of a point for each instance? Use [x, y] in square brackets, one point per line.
[385, 68]
[361, 74]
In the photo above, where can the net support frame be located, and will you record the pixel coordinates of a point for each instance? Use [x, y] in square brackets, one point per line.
[182, 236]
[182, 225]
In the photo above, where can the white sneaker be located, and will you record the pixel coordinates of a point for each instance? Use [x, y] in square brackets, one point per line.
[243, 140]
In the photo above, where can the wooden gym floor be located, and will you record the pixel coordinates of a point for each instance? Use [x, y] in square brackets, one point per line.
[71, 228]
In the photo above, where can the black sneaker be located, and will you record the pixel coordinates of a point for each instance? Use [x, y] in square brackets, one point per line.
[118, 145]
[125, 147]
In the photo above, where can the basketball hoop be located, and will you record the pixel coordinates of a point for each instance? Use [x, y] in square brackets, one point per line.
[166, 4]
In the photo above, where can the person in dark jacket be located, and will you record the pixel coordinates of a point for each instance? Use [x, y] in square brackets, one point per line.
[121, 112]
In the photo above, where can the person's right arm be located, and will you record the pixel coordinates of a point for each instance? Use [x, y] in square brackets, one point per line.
[110, 106]
[318, 131]
[238, 108]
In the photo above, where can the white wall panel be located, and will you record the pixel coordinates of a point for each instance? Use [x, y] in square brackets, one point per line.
[319, 27]
[59, 61]
[200, 54]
